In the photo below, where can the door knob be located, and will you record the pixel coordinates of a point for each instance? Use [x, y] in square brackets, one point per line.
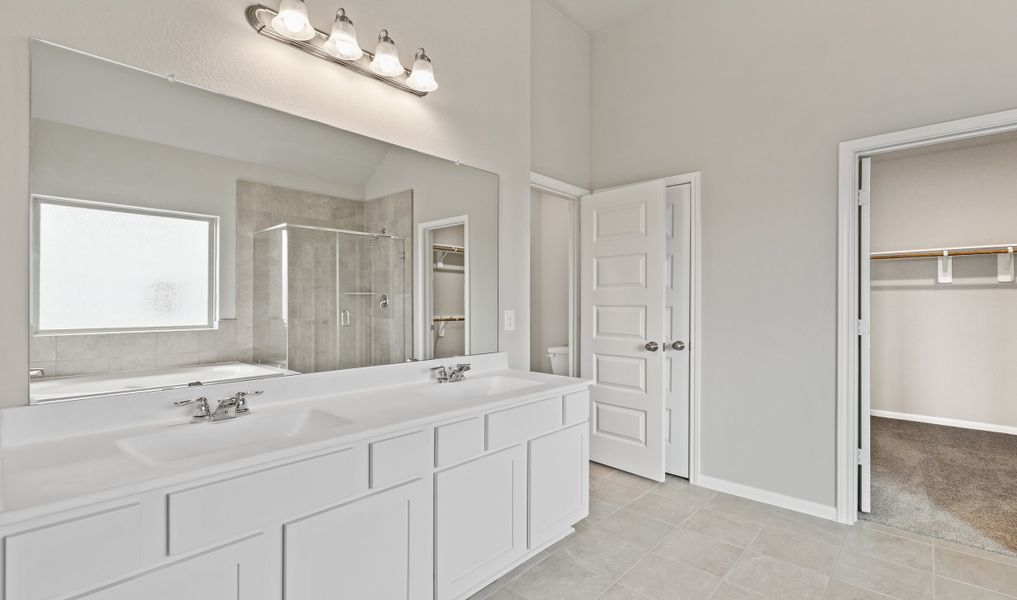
[652, 346]
[678, 346]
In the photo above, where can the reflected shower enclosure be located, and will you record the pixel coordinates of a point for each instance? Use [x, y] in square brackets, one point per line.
[327, 299]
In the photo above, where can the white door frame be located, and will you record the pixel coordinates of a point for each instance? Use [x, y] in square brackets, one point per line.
[571, 193]
[695, 344]
[848, 368]
[423, 344]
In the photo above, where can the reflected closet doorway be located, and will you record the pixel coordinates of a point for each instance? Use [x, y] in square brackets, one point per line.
[443, 268]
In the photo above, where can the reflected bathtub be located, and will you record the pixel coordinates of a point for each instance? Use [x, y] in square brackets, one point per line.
[106, 384]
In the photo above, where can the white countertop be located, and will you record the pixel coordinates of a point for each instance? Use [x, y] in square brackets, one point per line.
[59, 473]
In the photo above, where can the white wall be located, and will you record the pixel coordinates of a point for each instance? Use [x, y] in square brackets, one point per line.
[560, 102]
[480, 115]
[757, 96]
[946, 351]
[549, 276]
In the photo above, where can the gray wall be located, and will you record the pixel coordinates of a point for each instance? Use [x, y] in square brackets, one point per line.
[560, 103]
[757, 95]
[945, 350]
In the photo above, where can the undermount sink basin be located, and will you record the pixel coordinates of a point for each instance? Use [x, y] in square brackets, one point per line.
[199, 439]
[478, 388]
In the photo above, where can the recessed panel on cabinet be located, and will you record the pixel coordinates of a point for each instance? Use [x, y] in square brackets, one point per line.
[558, 484]
[619, 322]
[624, 271]
[373, 548]
[619, 222]
[399, 458]
[577, 407]
[234, 572]
[620, 372]
[620, 422]
[243, 503]
[516, 425]
[459, 441]
[55, 560]
[480, 521]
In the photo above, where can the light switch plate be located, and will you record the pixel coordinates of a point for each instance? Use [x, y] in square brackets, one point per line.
[510, 320]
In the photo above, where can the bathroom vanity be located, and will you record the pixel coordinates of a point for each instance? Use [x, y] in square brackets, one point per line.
[396, 488]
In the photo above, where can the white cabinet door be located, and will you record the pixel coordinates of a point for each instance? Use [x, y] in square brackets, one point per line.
[235, 572]
[374, 548]
[480, 521]
[623, 274]
[559, 483]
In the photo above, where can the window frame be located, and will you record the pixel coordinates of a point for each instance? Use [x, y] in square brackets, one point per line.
[213, 222]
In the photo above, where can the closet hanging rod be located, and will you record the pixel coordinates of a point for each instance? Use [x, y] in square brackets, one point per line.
[939, 252]
[449, 319]
[449, 248]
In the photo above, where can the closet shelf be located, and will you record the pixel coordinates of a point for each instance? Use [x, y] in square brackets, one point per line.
[1004, 259]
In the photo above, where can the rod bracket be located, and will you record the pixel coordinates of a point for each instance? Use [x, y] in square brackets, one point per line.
[1005, 266]
[944, 274]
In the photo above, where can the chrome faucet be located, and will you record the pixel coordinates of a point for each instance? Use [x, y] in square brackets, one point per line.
[458, 372]
[227, 409]
[451, 375]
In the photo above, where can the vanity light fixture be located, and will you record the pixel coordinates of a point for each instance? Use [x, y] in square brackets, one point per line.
[292, 21]
[386, 57]
[422, 77]
[343, 42]
[290, 25]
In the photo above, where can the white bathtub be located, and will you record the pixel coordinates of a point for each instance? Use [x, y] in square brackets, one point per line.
[56, 388]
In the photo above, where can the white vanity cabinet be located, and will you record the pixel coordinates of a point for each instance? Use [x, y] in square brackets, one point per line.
[480, 521]
[373, 548]
[433, 511]
[236, 571]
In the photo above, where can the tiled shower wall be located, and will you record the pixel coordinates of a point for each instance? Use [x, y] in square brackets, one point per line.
[258, 206]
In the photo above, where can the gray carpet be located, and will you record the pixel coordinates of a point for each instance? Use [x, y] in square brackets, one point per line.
[954, 484]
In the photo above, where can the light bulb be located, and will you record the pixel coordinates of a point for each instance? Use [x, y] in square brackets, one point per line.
[386, 58]
[292, 21]
[343, 41]
[422, 77]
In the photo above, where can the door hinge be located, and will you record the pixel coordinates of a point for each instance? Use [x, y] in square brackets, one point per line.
[863, 197]
[862, 326]
[859, 456]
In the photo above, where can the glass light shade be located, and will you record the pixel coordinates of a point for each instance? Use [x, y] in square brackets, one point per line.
[343, 41]
[422, 77]
[386, 57]
[292, 21]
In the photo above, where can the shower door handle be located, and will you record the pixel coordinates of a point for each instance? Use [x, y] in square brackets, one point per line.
[344, 318]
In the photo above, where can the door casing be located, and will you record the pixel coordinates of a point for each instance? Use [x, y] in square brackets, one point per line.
[848, 435]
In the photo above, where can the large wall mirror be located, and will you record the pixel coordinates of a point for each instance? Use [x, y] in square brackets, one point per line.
[180, 237]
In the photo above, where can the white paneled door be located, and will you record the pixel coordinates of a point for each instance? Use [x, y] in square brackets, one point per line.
[623, 303]
[677, 326]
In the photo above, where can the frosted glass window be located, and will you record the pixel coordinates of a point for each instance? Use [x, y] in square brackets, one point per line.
[102, 267]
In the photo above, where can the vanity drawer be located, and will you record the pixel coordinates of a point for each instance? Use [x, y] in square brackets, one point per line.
[398, 459]
[58, 559]
[577, 407]
[516, 425]
[217, 511]
[456, 442]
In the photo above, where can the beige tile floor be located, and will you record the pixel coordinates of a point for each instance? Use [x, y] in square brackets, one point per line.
[650, 541]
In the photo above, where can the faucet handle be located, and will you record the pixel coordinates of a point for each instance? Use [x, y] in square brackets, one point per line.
[463, 367]
[202, 412]
[441, 372]
[241, 397]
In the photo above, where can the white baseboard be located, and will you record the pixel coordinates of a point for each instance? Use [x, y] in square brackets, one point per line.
[886, 414]
[808, 507]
